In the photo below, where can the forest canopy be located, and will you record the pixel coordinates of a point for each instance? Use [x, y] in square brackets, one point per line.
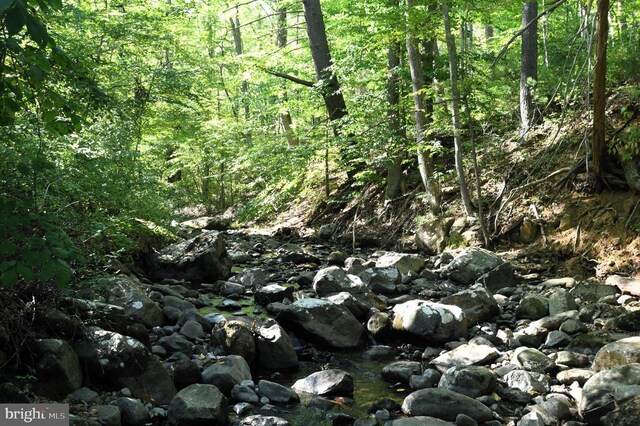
[115, 116]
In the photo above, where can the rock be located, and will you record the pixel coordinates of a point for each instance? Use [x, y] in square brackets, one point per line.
[198, 405]
[228, 288]
[606, 389]
[326, 231]
[626, 285]
[531, 419]
[628, 321]
[108, 415]
[532, 360]
[502, 276]
[626, 414]
[572, 326]
[470, 264]
[592, 292]
[252, 278]
[109, 355]
[154, 385]
[464, 420]
[85, 396]
[533, 307]
[553, 410]
[326, 322]
[378, 353]
[260, 420]
[430, 320]
[134, 413]
[224, 374]
[528, 230]
[553, 322]
[238, 340]
[557, 339]
[192, 330]
[431, 236]
[326, 383]
[591, 343]
[620, 352]
[465, 355]
[274, 347]
[176, 343]
[57, 367]
[56, 322]
[273, 293]
[333, 280]
[571, 375]
[561, 301]
[381, 280]
[403, 262]
[185, 372]
[380, 325]
[476, 302]
[401, 371]
[420, 421]
[472, 381]
[277, 393]
[429, 379]
[230, 305]
[244, 393]
[526, 381]
[120, 290]
[200, 259]
[359, 309]
[337, 258]
[444, 404]
[571, 359]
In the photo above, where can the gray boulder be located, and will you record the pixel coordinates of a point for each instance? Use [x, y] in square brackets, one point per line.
[403, 262]
[333, 280]
[134, 413]
[198, 405]
[465, 355]
[238, 340]
[121, 290]
[277, 393]
[620, 352]
[476, 302]
[260, 420]
[57, 367]
[533, 307]
[470, 264]
[109, 355]
[431, 236]
[154, 385]
[430, 320]
[326, 383]
[230, 371]
[560, 300]
[274, 347]
[472, 381]
[322, 320]
[199, 259]
[444, 404]
[607, 389]
[273, 293]
[401, 371]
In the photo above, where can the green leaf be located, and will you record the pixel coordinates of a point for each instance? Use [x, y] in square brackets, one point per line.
[9, 278]
[37, 31]
[62, 276]
[60, 252]
[5, 4]
[7, 248]
[14, 20]
[25, 272]
[5, 266]
[48, 271]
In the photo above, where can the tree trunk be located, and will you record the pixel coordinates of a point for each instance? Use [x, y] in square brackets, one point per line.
[286, 122]
[394, 168]
[327, 80]
[239, 48]
[599, 90]
[529, 66]
[281, 31]
[425, 164]
[455, 111]
[285, 116]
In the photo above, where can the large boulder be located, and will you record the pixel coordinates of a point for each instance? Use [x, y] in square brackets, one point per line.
[470, 264]
[274, 347]
[606, 389]
[326, 383]
[330, 324]
[333, 280]
[121, 290]
[230, 371]
[109, 355]
[199, 259]
[154, 385]
[238, 340]
[620, 352]
[198, 405]
[444, 404]
[431, 237]
[476, 302]
[57, 367]
[472, 381]
[430, 320]
[403, 262]
[465, 355]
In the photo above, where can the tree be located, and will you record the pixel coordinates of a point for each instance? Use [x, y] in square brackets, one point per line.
[529, 64]
[425, 163]
[455, 111]
[394, 168]
[599, 90]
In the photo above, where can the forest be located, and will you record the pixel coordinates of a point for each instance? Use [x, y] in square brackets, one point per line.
[472, 160]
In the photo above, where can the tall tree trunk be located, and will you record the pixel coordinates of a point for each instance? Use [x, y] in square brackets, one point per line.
[285, 116]
[425, 163]
[327, 80]
[394, 168]
[529, 65]
[455, 111]
[599, 90]
[239, 48]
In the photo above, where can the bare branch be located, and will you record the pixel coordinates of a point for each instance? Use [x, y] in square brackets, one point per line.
[288, 77]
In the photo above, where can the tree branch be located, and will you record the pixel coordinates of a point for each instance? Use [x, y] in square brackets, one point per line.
[525, 28]
[288, 77]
